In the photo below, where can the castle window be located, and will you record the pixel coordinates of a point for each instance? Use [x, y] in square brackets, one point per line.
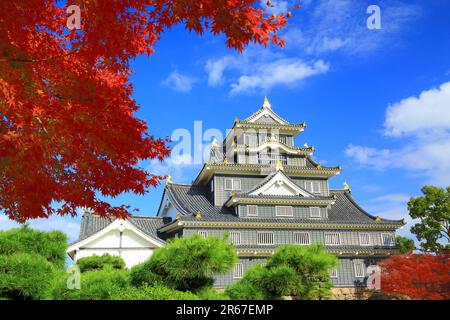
[235, 237]
[302, 238]
[360, 269]
[332, 238]
[232, 184]
[312, 186]
[387, 240]
[238, 271]
[265, 237]
[203, 234]
[314, 212]
[253, 158]
[334, 273]
[283, 211]
[364, 239]
[250, 139]
[252, 211]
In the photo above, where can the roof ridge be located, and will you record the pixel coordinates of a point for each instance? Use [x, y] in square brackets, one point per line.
[182, 184]
[112, 218]
[145, 217]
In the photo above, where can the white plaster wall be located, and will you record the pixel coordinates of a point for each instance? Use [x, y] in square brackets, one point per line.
[167, 209]
[135, 249]
[108, 240]
[278, 190]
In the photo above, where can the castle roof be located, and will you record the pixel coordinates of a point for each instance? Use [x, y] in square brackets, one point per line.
[92, 223]
[192, 199]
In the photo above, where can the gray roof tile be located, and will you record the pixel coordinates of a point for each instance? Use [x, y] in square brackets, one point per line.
[190, 199]
[92, 223]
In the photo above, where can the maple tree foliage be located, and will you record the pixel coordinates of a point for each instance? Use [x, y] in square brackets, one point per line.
[419, 276]
[67, 127]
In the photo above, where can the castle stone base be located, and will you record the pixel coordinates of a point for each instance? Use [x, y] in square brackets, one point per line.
[350, 293]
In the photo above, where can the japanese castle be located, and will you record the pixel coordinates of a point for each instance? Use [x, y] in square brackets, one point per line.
[261, 190]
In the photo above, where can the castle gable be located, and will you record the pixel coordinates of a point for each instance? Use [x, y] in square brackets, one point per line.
[278, 184]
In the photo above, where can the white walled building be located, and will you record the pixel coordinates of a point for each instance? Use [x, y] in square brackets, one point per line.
[133, 239]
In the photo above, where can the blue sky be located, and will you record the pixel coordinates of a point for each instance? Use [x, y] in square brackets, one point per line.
[377, 102]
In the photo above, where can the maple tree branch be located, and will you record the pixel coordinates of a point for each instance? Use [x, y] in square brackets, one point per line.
[45, 59]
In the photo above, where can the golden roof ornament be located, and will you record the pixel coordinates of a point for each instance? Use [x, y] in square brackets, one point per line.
[168, 180]
[346, 186]
[306, 145]
[266, 103]
[280, 165]
[225, 161]
[319, 166]
[198, 215]
[178, 217]
[377, 218]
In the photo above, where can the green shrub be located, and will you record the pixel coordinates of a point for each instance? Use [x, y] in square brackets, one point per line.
[95, 285]
[51, 245]
[212, 294]
[24, 276]
[301, 271]
[140, 274]
[157, 292]
[100, 262]
[190, 263]
[251, 286]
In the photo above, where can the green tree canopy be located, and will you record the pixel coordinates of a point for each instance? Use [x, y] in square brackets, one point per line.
[405, 245]
[24, 276]
[301, 271]
[433, 211]
[49, 244]
[100, 262]
[187, 263]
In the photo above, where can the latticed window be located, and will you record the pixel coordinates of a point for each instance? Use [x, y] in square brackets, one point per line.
[203, 234]
[252, 211]
[283, 211]
[334, 273]
[314, 212]
[250, 139]
[232, 184]
[364, 239]
[360, 269]
[312, 186]
[302, 238]
[238, 271]
[253, 158]
[265, 237]
[235, 237]
[387, 239]
[332, 238]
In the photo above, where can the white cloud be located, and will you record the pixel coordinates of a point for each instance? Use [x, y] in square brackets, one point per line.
[280, 72]
[424, 123]
[340, 25]
[215, 69]
[179, 82]
[68, 225]
[428, 112]
[393, 197]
